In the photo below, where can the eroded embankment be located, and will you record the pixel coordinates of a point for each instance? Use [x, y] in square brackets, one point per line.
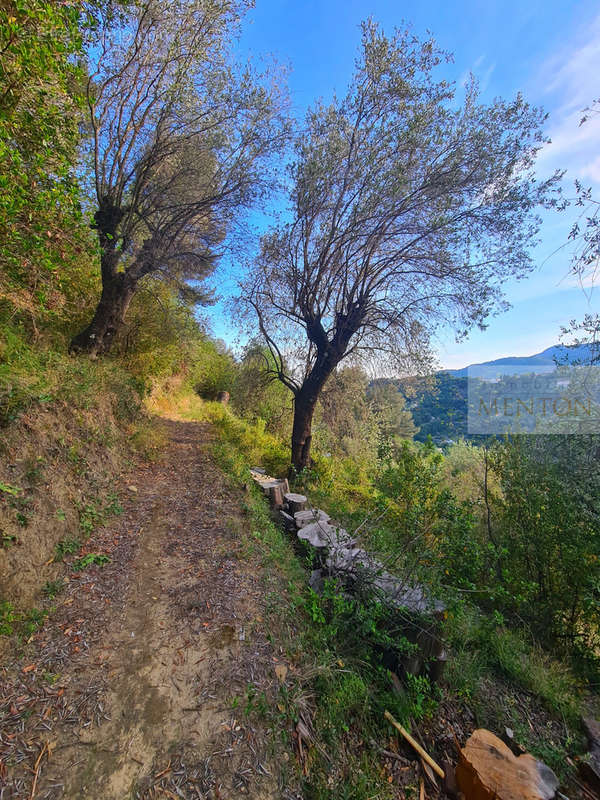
[59, 470]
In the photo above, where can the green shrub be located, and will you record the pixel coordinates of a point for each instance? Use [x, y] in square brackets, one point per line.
[66, 547]
[90, 560]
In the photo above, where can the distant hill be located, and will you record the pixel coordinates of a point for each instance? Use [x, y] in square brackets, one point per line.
[545, 361]
[439, 408]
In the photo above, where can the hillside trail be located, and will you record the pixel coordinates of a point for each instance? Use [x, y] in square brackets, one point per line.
[137, 685]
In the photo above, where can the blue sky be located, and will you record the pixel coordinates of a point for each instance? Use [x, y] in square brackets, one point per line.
[548, 50]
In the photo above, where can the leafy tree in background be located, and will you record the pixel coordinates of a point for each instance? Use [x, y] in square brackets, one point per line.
[395, 422]
[46, 250]
[409, 210]
[180, 143]
[344, 417]
[256, 394]
[550, 531]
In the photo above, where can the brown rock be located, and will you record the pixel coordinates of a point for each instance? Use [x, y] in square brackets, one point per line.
[487, 770]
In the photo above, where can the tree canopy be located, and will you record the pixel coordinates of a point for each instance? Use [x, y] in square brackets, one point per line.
[179, 145]
[410, 206]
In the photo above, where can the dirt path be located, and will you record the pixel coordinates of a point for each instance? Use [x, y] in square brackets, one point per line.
[136, 687]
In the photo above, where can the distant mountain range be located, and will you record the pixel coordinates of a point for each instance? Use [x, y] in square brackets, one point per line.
[545, 361]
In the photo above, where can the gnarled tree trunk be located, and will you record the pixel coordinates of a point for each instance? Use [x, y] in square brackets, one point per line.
[305, 402]
[304, 409]
[117, 287]
[108, 318]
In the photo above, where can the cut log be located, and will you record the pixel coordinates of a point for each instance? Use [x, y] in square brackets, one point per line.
[487, 770]
[437, 667]
[450, 786]
[317, 581]
[287, 518]
[592, 731]
[345, 559]
[589, 767]
[276, 495]
[323, 534]
[315, 534]
[296, 502]
[267, 485]
[310, 515]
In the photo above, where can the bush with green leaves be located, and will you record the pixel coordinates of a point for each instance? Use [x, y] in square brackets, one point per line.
[256, 395]
[549, 528]
[46, 250]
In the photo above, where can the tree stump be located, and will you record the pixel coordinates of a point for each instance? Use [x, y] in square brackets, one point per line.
[276, 495]
[309, 516]
[296, 502]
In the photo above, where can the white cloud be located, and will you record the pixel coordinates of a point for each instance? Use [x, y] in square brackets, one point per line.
[569, 81]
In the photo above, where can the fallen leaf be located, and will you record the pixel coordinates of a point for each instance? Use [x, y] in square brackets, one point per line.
[29, 668]
[281, 672]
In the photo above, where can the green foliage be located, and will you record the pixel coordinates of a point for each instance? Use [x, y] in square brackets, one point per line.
[257, 396]
[163, 338]
[66, 547]
[46, 251]
[15, 491]
[90, 560]
[438, 408]
[89, 518]
[39, 375]
[212, 368]
[394, 420]
[94, 513]
[256, 702]
[365, 626]
[482, 644]
[25, 623]
[550, 535]
[345, 423]
[7, 539]
[419, 515]
[8, 617]
[53, 588]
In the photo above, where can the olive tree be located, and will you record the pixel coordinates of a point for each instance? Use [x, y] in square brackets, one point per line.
[409, 206]
[180, 139]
